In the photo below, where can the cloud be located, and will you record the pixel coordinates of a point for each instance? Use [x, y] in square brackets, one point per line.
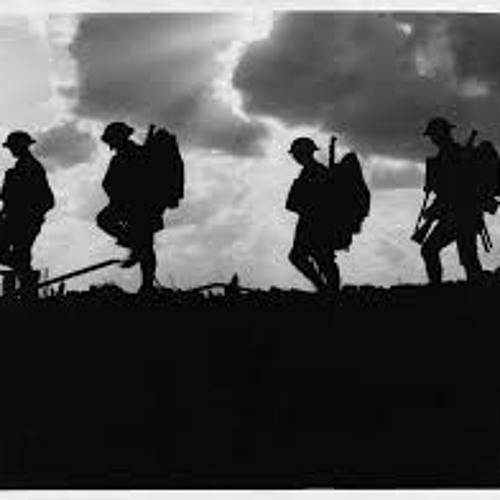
[387, 173]
[470, 37]
[25, 69]
[65, 146]
[160, 68]
[383, 254]
[377, 88]
[371, 78]
[195, 245]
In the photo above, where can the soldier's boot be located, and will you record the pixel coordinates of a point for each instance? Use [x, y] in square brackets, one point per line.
[469, 258]
[330, 271]
[433, 265]
[475, 274]
[333, 279]
[148, 271]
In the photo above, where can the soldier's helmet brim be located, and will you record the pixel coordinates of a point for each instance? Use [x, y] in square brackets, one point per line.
[18, 138]
[117, 129]
[303, 144]
[438, 125]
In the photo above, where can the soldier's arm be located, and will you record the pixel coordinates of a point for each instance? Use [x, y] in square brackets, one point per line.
[4, 190]
[105, 183]
[2, 199]
[109, 182]
[430, 176]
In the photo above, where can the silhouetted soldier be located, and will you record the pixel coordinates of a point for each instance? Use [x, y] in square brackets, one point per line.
[325, 204]
[131, 216]
[312, 250]
[26, 197]
[457, 209]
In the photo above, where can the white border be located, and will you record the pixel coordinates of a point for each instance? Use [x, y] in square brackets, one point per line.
[75, 6]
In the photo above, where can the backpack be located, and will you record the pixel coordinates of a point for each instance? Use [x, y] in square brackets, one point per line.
[339, 196]
[350, 193]
[486, 168]
[165, 168]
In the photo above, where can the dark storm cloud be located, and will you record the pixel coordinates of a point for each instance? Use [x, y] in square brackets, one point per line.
[476, 39]
[473, 38]
[369, 78]
[160, 68]
[65, 146]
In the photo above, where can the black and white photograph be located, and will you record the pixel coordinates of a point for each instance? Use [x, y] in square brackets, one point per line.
[249, 247]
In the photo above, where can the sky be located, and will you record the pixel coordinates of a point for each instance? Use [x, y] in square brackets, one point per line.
[236, 87]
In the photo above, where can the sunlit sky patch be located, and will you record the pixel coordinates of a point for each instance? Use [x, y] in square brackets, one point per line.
[250, 27]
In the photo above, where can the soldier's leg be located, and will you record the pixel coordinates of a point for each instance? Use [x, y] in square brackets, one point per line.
[22, 254]
[6, 236]
[141, 243]
[326, 259]
[109, 221]
[142, 252]
[148, 264]
[441, 236]
[468, 254]
[300, 255]
[23, 240]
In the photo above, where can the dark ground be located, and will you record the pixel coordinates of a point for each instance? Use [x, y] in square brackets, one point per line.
[385, 388]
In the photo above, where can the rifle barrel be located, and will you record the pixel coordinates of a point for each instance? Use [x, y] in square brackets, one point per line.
[421, 212]
[73, 274]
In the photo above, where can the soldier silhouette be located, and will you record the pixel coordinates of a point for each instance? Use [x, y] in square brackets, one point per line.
[130, 216]
[26, 197]
[456, 214]
[327, 202]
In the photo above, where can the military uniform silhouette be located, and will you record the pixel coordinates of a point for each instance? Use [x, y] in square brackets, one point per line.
[26, 197]
[131, 217]
[331, 204]
[313, 248]
[457, 207]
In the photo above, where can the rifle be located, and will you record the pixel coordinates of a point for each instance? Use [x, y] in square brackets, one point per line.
[419, 233]
[150, 134]
[485, 238]
[331, 152]
[471, 139]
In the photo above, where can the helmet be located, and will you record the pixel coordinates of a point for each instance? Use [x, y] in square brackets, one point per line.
[304, 144]
[18, 138]
[438, 124]
[117, 129]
